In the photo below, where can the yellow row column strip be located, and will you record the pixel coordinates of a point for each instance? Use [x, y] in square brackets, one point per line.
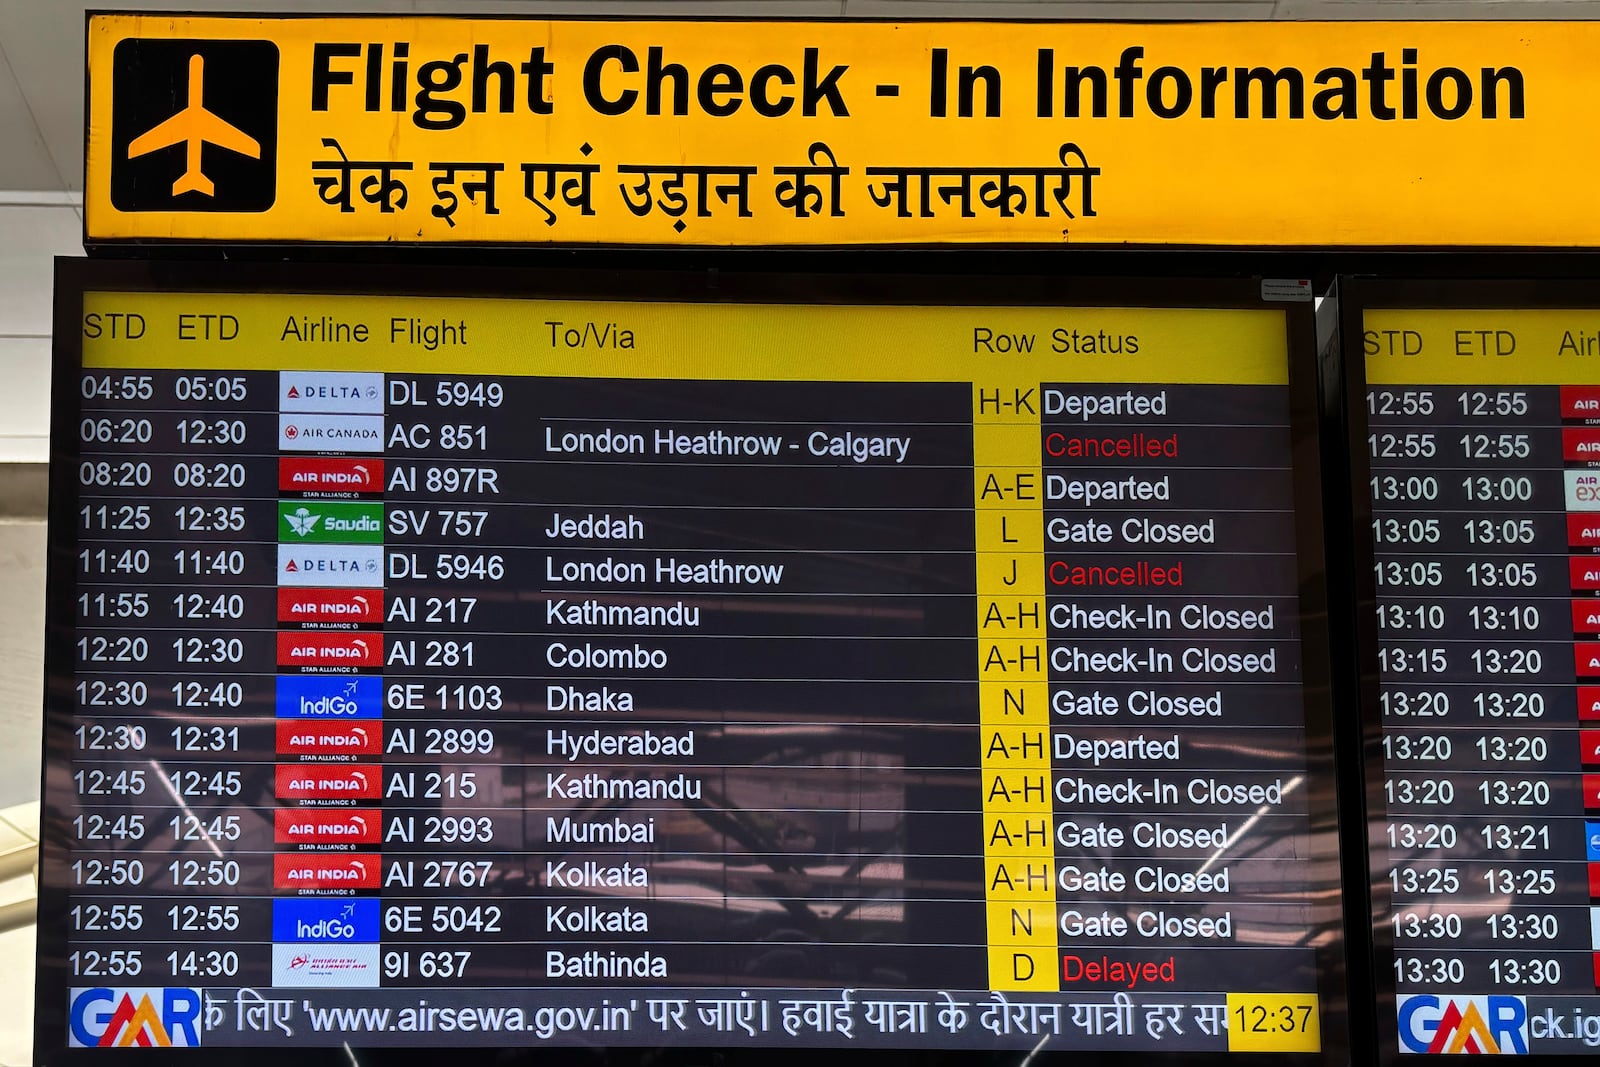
[1013, 689]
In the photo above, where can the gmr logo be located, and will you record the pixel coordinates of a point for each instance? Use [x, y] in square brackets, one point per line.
[1470, 1026]
[128, 1018]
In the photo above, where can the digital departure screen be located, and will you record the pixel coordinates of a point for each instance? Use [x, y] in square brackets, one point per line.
[1481, 430]
[690, 662]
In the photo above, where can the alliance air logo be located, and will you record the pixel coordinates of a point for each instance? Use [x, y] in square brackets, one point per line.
[134, 1018]
[1464, 1026]
[194, 125]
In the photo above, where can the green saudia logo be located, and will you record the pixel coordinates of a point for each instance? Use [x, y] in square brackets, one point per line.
[330, 523]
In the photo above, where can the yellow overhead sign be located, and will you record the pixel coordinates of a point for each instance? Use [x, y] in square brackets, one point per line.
[517, 131]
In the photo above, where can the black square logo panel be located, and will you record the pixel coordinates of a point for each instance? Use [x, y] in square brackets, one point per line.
[194, 125]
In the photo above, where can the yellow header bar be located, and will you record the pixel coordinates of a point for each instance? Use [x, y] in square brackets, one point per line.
[523, 131]
[1483, 347]
[660, 340]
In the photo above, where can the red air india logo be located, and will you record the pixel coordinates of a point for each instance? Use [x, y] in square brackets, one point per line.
[1580, 402]
[341, 605]
[309, 737]
[298, 870]
[1589, 747]
[311, 474]
[358, 826]
[1583, 529]
[317, 781]
[306, 649]
[1578, 444]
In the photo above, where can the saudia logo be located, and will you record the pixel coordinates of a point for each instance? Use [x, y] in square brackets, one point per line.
[302, 521]
[130, 1018]
[356, 524]
[333, 522]
[1470, 1026]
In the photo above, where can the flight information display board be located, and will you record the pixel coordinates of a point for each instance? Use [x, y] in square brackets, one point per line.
[1477, 443]
[731, 665]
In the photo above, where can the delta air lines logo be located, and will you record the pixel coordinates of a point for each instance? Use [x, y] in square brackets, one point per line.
[194, 125]
[134, 1018]
[1464, 1026]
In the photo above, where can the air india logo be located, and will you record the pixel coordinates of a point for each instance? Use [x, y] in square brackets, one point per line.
[194, 125]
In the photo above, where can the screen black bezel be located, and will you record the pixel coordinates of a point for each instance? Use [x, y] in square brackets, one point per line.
[717, 279]
[1357, 295]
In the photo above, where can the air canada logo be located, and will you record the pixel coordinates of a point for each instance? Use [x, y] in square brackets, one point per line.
[194, 125]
